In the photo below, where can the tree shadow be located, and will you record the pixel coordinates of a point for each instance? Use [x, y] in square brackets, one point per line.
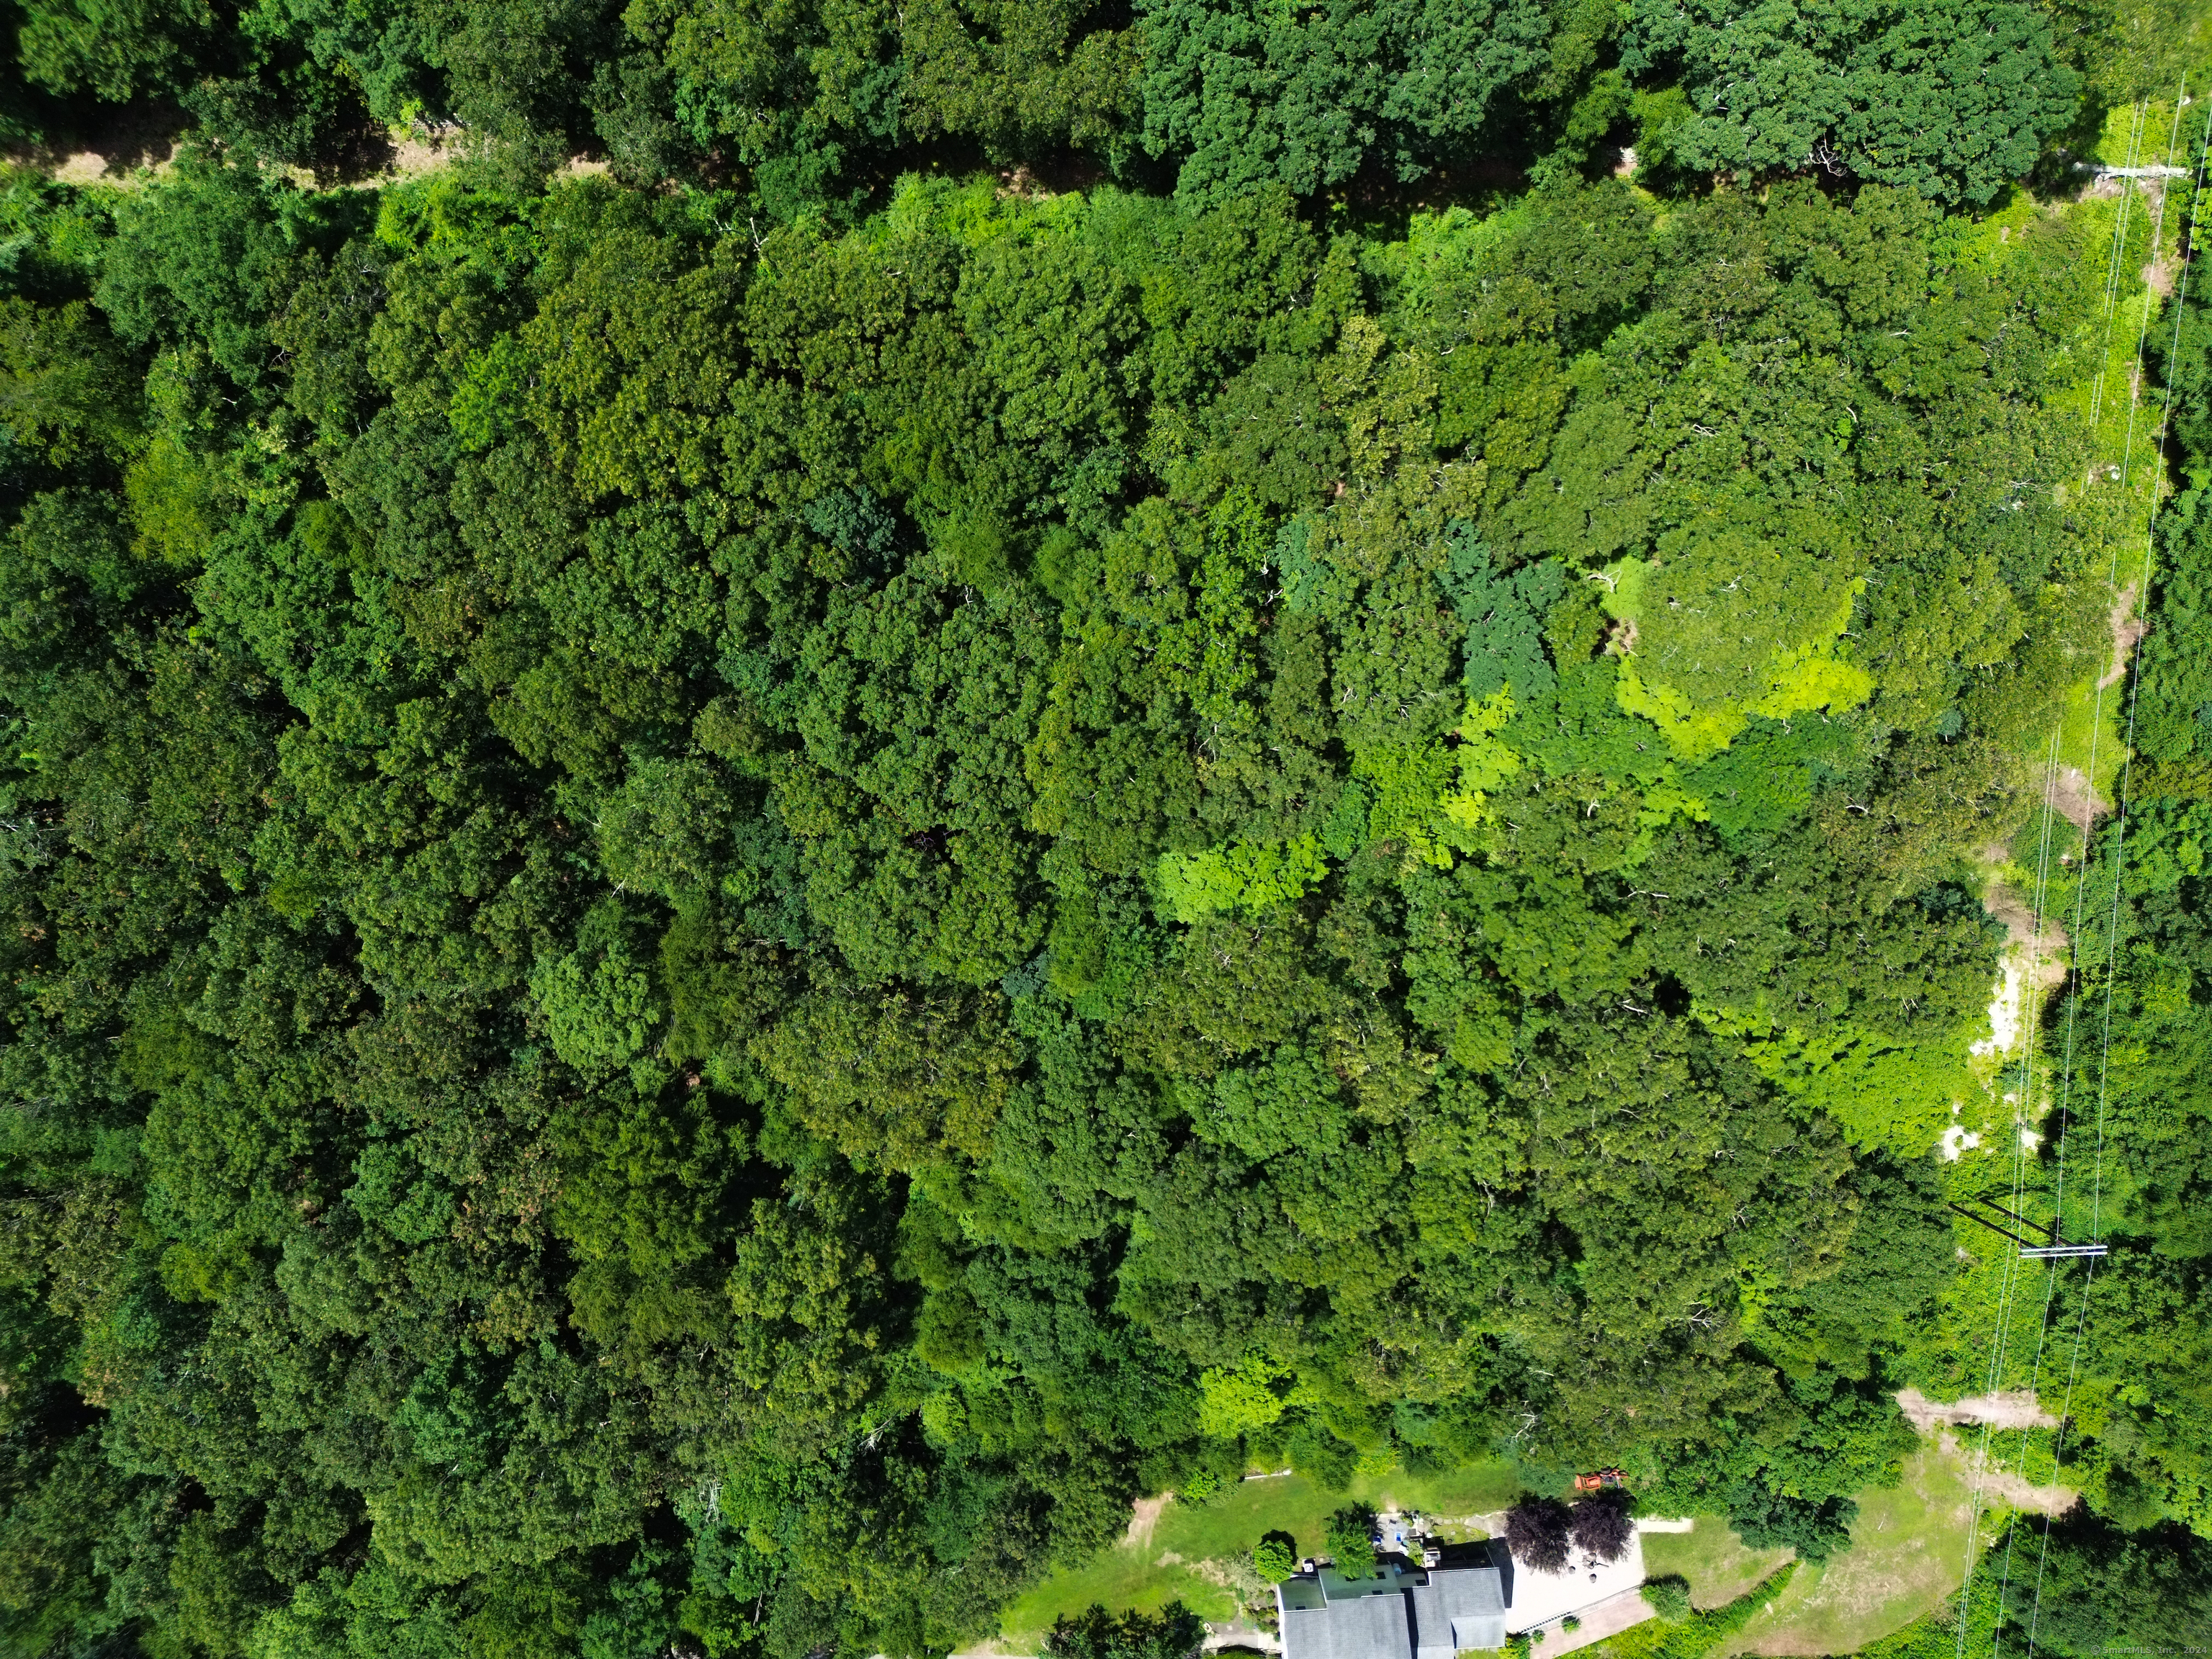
[113, 143]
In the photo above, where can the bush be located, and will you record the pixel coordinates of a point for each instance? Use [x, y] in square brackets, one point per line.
[1669, 1597]
[1200, 1486]
[1351, 1535]
[1601, 1526]
[1571, 1622]
[1536, 1531]
[1276, 1558]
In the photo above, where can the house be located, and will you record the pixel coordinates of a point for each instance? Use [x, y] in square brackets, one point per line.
[1405, 1613]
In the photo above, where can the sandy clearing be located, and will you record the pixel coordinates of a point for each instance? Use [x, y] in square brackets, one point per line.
[2015, 1409]
[1997, 1484]
[2074, 799]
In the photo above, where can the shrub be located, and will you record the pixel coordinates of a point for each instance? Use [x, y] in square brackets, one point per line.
[1277, 1557]
[1199, 1486]
[1669, 1597]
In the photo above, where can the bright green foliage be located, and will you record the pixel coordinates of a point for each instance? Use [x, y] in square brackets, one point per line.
[1233, 877]
[1235, 1399]
[1276, 1559]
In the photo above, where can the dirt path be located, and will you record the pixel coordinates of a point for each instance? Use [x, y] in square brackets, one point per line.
[2074, 799]
[1936, 1418]
[2047, 941]
[1144, 1516]
[2013, 1487]
[2128, 630]
[1996, 1482]
[108, 150]
[2074, 796]
[2015, 1409]
[142, 145]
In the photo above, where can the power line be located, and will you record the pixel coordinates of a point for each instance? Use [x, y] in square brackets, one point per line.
[2119, 833]
[2009, 1269]
[2112, 272]
[2097, 714]
[2134, 675]
[2001, 1339]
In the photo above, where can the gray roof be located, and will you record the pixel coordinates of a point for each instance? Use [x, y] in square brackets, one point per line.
[1459, 1608]
[1401, 1615]
[1366, 1627]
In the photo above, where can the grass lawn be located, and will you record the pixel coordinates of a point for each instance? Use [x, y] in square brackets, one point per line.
[1719, 1564]
[1121, 1578]
[1908, 1553]
[1233, 1522]
[1145, 1577]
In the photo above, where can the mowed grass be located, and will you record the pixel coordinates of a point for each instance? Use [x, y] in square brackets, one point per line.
[1145, 1577]
[1908, 1553]
[1123, 1579]
[1719, 1565]
[1234, 1523]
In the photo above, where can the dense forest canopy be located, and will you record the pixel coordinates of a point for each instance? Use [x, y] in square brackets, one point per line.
[1045, 752]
